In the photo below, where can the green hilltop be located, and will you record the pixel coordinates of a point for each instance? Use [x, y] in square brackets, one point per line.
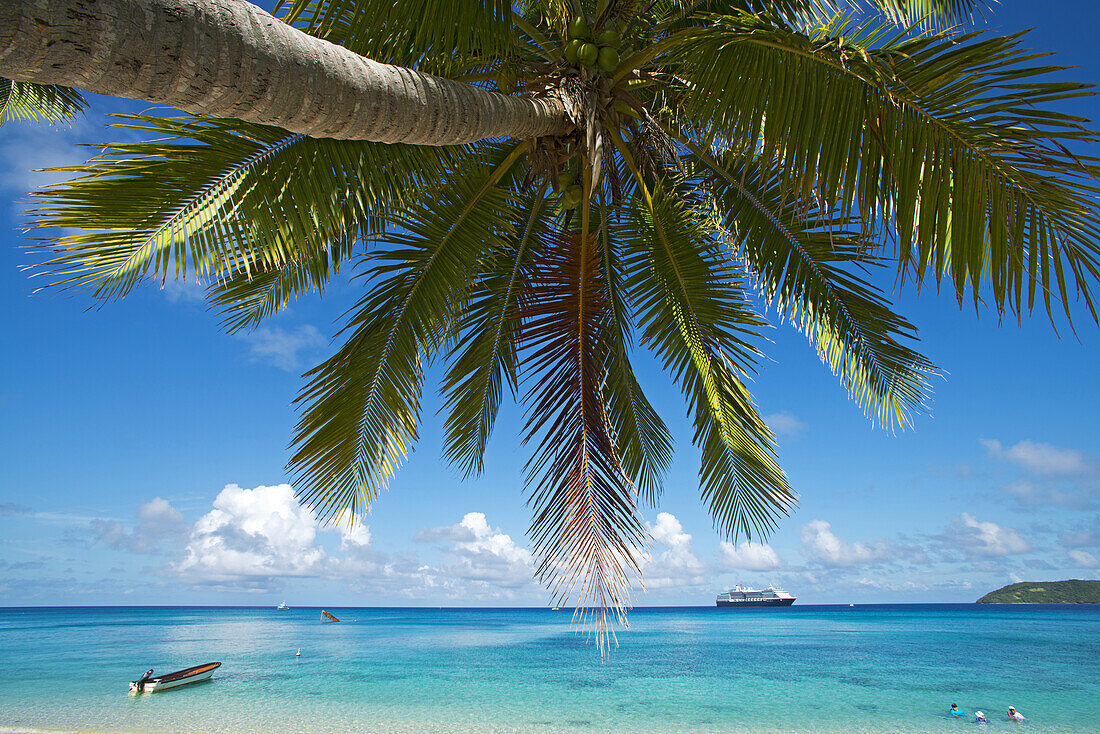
[1074, 591]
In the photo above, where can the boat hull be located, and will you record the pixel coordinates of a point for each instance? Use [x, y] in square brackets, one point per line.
[757, 603]
[175, 680]
[153, 687]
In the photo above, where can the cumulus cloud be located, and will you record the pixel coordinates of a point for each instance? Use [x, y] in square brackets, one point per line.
[356, 537]
[978, 539]
[672, 562]
[482, 554]
[281, 347]
[160, 528]
[1084, 559]
[749, 556]
[253, 537]
[1039, 458]
[822, 545]
[785, 424]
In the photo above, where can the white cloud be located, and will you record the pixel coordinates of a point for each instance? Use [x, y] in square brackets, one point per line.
[1030, 495]
[253, 537]
[27, 148]
[1084, 559]
[749, 556]
[357, 536]
[821, 544]
[160, 527]
[978, 539]
[674, 563]
[1040, 458]
[484, 555]
[190, 290]
[281, 347]
[785, 424]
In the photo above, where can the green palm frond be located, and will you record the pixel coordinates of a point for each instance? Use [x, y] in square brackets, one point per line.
[244, 298]
[224, 199]
[586, 530]
[927, 14]
[801, 256]
[361, 406]
[486, 349]
[423, 34]
[34, 102]
[931, 13]
[696, 316]
[641, 439]
[949, 140]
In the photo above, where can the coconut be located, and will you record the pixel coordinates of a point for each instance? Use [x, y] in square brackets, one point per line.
[573, 195]
[571, 50]
[609, 38]
[587, 54]
[579, 28]
[608, 59]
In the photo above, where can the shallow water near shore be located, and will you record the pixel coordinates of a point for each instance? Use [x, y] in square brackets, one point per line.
[865, 669]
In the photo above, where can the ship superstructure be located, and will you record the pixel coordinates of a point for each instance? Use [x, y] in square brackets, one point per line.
[740, 596]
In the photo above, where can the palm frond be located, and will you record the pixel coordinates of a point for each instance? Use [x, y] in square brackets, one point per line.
[801, 256]
[695, 315]
[361, 406]
[244, 298]
[224, 199]
[642, 441]
[430, 35]
[586, 530]
[486, 351]
[34, 102]
[950, 141]
[931, 13]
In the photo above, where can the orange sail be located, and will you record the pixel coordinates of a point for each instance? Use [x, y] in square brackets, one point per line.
[326, 617]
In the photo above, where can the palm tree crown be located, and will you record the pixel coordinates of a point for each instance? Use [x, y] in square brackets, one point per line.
[722, 155]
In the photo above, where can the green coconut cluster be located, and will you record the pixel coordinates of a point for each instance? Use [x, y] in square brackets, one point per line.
[601, 51]
[569, 189]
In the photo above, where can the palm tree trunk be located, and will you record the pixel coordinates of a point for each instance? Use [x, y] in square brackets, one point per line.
[230, 59]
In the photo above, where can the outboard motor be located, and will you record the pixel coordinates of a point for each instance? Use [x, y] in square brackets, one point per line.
[142, 679]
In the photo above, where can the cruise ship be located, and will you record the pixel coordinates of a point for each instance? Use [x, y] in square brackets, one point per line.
[742, 597]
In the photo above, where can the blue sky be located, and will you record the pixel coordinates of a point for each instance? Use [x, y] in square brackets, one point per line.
[143, 451]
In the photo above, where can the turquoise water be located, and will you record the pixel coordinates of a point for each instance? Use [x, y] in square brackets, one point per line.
[871, 669]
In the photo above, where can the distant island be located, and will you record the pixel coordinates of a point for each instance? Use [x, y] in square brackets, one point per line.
[1045, 592]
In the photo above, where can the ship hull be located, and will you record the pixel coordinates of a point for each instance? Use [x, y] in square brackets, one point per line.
[760, 603]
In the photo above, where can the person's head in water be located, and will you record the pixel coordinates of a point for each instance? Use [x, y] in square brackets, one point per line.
[954, 706]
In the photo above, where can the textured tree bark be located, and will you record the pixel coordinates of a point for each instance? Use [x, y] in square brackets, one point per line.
[230, 59]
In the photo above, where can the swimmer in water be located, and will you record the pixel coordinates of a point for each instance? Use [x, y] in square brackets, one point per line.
[979, 717]
[1014, 715]
[955, 710]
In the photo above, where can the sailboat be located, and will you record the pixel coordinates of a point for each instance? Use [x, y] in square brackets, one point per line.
[326, 617]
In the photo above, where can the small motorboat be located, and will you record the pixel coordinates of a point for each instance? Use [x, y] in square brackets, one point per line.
[326, 617]
[282, 607]
[149, 683]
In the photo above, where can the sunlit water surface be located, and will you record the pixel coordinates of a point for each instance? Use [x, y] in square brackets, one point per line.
[864, 669]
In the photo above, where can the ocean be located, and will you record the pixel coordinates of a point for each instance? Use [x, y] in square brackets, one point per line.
[861, 670]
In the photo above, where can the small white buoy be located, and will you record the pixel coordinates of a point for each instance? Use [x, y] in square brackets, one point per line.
[299, 653]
